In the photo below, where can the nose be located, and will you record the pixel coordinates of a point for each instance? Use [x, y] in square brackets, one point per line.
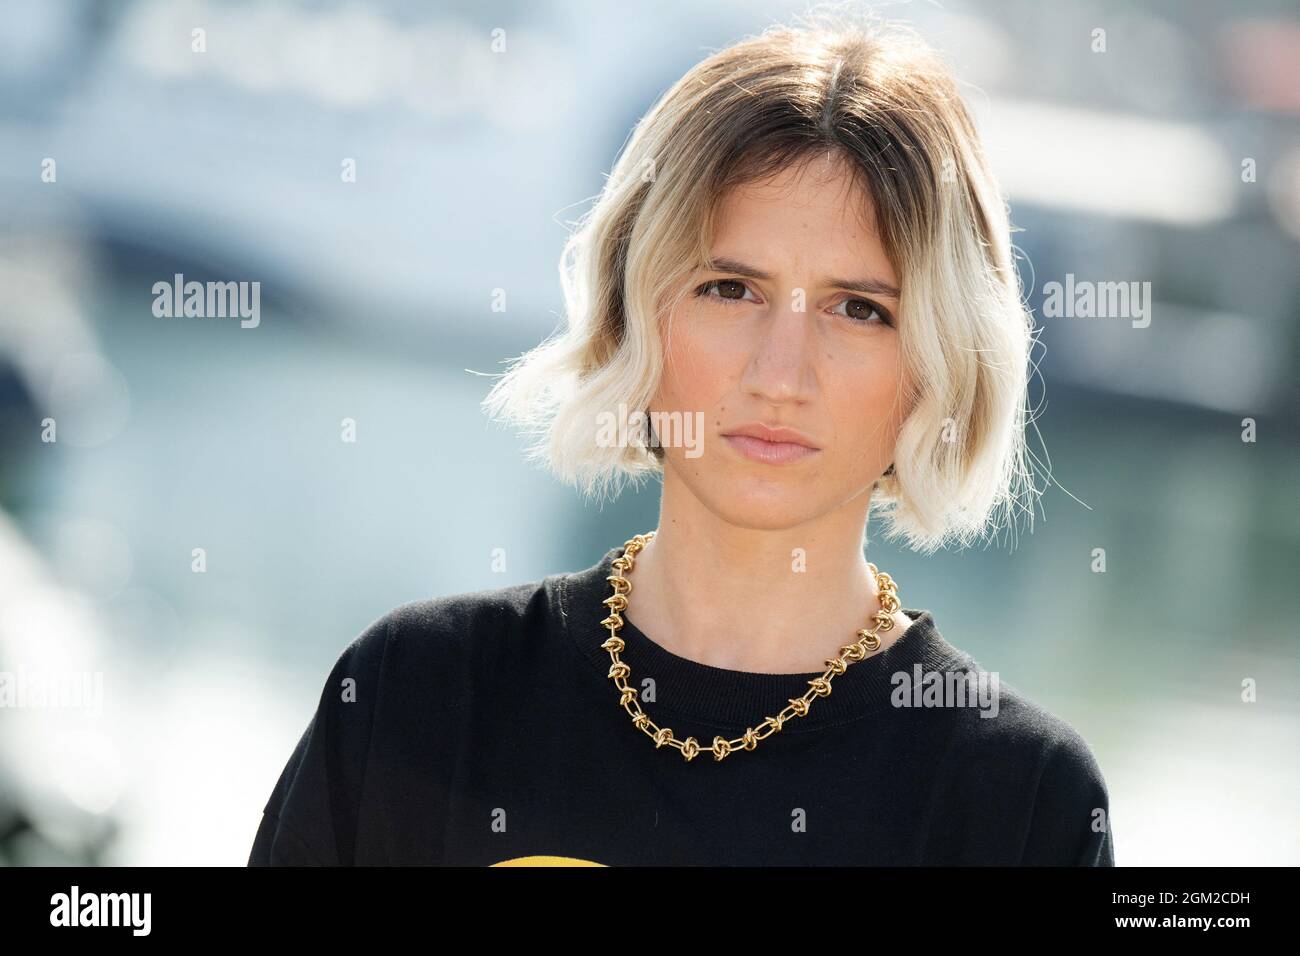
[783, 348]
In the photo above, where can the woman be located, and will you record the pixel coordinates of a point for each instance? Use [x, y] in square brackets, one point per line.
[799, 279]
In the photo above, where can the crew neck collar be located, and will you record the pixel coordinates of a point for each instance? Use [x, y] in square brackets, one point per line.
[738, 699]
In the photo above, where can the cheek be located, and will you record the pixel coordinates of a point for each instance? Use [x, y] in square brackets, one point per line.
[699, 367]
[867, 404]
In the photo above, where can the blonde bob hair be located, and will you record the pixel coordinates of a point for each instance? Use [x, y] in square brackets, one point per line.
[877, 96]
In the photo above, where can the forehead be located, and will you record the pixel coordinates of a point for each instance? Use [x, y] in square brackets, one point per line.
[816, 209]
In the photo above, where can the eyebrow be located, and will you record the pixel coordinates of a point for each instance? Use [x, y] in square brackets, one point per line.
[867, 286]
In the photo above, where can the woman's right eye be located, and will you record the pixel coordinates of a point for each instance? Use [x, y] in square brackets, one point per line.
[729, 290]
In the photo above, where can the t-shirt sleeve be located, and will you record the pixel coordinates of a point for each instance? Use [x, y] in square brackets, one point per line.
[311, 816]
[1070, 825]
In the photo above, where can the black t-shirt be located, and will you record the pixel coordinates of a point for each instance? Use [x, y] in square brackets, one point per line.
[483, 728]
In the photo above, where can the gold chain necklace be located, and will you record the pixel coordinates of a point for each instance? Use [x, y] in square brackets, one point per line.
[819, 687]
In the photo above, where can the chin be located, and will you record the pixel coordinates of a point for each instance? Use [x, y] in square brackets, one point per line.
[764, 508]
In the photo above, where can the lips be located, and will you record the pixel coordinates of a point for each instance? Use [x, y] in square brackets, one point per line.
[771, 433]
[769, 445]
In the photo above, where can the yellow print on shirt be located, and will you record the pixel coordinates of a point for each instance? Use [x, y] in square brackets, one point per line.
[546, 861]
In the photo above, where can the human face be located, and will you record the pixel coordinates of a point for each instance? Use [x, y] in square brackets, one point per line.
[794, 326]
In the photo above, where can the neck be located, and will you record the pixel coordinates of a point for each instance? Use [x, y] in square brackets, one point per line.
[765, 601]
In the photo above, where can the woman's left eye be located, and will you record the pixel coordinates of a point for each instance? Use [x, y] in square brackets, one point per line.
[861, 311]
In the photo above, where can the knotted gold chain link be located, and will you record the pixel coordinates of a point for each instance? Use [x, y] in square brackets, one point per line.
[798, 707]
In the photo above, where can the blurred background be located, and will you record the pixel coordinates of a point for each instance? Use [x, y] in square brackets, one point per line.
[1163, 149]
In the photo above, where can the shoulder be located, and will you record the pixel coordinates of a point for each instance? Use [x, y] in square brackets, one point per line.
[1009, 726]
[1027, 756]
[1069, 816]
[436, 637]
[378, 707]
[452, 617]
